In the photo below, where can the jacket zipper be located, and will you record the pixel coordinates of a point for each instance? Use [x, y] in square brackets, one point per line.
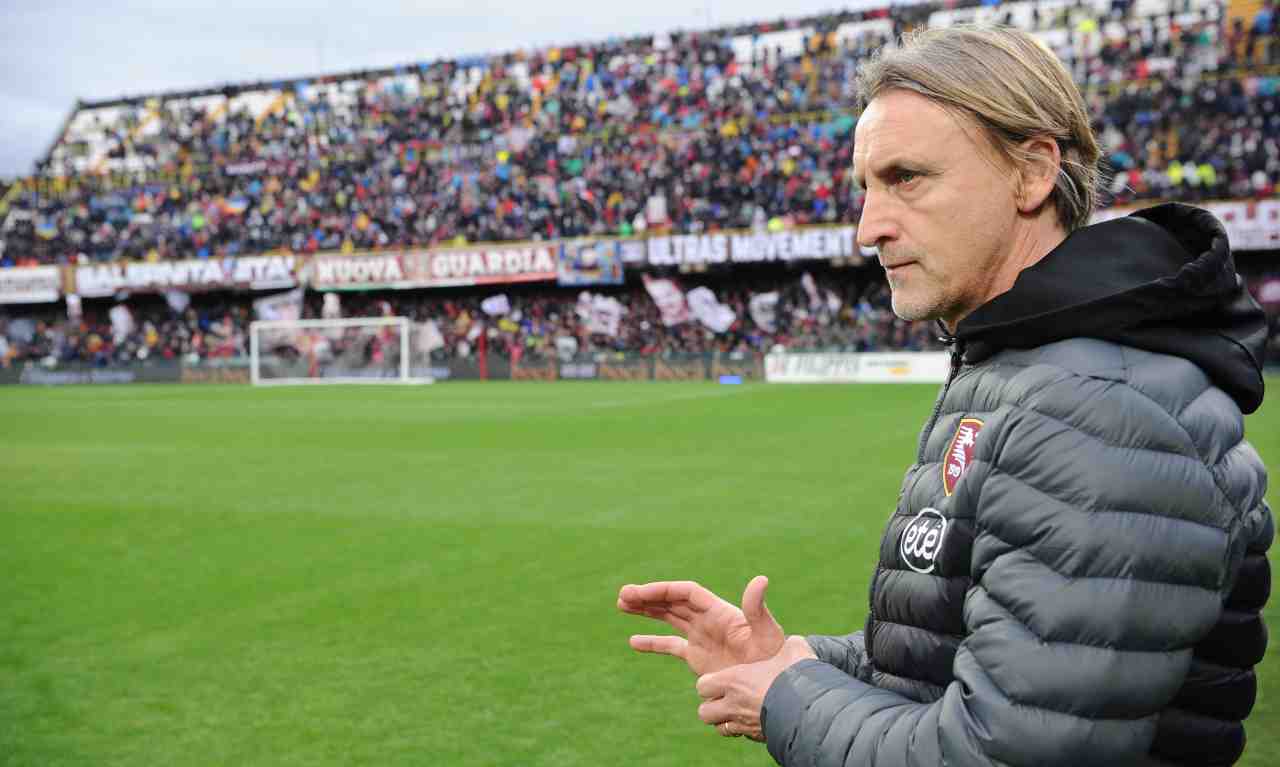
[957, 359]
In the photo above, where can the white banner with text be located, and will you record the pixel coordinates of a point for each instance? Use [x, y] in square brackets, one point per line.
[867, 367]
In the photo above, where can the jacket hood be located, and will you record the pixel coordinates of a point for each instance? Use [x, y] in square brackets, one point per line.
[1162, 279]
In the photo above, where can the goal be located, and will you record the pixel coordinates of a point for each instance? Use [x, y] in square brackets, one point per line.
[369, 350]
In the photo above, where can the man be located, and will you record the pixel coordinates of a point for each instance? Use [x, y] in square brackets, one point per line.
[1076, 567]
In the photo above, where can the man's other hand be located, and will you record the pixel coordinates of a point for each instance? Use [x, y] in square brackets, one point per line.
[732, 698]
[715, 633]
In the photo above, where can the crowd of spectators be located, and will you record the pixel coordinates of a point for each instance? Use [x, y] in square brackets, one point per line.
[852, 314]
[541, 324]
[677, 132]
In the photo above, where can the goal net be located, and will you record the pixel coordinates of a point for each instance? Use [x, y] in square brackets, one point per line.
[358, 350]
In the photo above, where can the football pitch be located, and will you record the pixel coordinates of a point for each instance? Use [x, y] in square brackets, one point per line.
[426, 575]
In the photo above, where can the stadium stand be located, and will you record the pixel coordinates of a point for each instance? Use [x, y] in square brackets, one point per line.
[745, 128]
[848, 316]
[686, 133]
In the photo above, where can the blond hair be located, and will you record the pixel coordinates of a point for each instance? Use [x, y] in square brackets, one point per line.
[1008, 83]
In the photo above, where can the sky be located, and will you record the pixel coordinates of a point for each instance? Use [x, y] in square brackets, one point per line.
[53, 52]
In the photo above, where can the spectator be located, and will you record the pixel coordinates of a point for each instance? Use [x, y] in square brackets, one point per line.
[671, 133]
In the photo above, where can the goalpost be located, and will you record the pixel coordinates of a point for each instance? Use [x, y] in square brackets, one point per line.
[366, 350]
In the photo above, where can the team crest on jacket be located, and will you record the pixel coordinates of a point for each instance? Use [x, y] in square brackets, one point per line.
[922, 540]
[960, 453]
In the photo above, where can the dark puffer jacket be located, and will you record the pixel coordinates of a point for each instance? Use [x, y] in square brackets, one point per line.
[1076, 568]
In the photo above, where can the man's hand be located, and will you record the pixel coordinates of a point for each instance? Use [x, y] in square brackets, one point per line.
[717, 634]
[732, 698]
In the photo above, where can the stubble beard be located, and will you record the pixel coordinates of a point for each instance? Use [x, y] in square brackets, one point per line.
[927, 304]
[913, 311]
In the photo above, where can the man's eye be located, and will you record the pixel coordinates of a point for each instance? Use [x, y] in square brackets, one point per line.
[905, 176]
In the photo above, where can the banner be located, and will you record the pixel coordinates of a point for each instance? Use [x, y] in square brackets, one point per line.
[363, 272]
[34, 374]
[524, 262]
[570, 371]
[669, 298]
[1269, 292]
[754, 247]
[710, 312]
[786, 367]
[793, 245]
[252, 272]
[904, 367]
[30, 284]
[870, 367]
[590, 262]
[689, 249]
[1250, 224]
[614, 366]
[281, 306]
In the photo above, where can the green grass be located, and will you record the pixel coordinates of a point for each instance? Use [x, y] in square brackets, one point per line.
[223, 575]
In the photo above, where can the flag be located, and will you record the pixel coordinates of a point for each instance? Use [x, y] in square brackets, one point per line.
[811, 290]
[583, 307]
[709, 311]
[429, 337]
[601, 314]
[764, 311]
[655, 209]
[669, 298]
[121, 323]
[177, 300]
[496, 306]
[833, 301]
[281, 306]
[332, 308]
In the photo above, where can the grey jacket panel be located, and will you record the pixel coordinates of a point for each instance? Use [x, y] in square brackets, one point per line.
[847, 653]
[1110, 509]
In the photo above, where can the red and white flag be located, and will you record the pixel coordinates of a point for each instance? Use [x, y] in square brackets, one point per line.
[709, 311]
[669, 298]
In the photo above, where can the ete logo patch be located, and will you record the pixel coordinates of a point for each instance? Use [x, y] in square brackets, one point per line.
[922, 540]
[960, 453]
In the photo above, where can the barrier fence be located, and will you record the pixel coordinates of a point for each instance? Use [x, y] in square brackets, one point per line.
[784, 367]
[778, 368]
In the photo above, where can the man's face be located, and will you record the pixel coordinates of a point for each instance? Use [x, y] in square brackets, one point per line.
[940, 207]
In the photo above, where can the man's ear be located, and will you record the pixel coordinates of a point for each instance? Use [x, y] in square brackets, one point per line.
[1038, 172]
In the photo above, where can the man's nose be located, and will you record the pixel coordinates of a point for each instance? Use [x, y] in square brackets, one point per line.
[875, 226]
